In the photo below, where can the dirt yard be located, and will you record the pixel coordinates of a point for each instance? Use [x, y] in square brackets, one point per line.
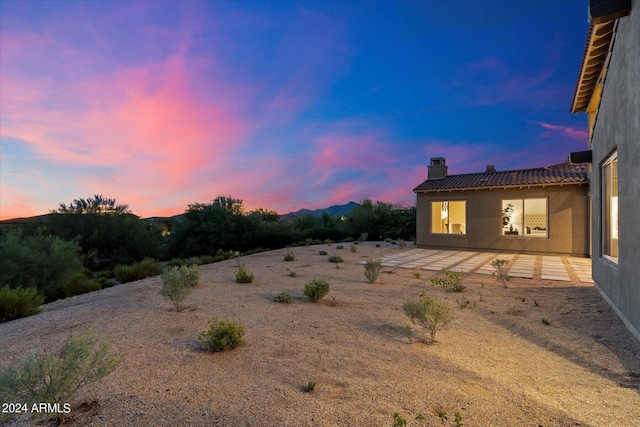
[497, 364]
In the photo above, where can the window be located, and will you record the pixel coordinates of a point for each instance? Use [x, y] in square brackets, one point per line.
[525, 217]
[449, 217]
[610, 207]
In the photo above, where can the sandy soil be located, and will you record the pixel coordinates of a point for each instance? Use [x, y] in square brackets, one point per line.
[497, 364]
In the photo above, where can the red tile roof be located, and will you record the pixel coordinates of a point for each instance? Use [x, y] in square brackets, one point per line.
[562, 174]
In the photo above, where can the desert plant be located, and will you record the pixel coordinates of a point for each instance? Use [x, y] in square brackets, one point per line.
[292, 273]
[242, 275]
[464, 303]
[222, 335]
[19, 302]
[354, 248]
[177, 283]
[458, 419]
[335, 258]
[56, 377]
[408, 332]
[452, 282]
[500, 266]
[148, 267]
[283, 297]
[348, 240]
[398, 420]
[401, 243]
[322, 253]
[417, 274]
[316, 289]
[328, 242]
[308, 241]
[545, 321]
[387, 240]
[310, 387]
[340, 247]
[289, 256]
[78, 283]
[377, 245]
[363, 237]
[432, 314]
[372, 269]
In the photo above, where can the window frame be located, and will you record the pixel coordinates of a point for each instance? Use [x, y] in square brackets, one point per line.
[448, 201]
[522, 231]
[606, 189]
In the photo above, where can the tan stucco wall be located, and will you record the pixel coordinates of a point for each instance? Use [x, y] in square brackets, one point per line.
[568, 221]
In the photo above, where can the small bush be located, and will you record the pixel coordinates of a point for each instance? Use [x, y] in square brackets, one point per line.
[222, 335]
[348, 240]
[328, 242]
[308, 241]
[284, 297]
[177, 283]
[207, 259]
[500, 266]
[377, 245]
[310, 387]
[292, 273]
[335, 258]
[316, 289]
[323, 253]
[387, 240]
[146, 268]
[432, 314]
[363, 237]
[19, 302]
[56, 377]
[372, 269]
[401, 243]
[78, 284]
[290, 256]
[452, 282]
[242, 275]
[105, 283]
[340, 247]
[317, 242]
[354, 248]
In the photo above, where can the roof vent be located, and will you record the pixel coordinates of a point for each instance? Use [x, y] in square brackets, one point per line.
[490, 169]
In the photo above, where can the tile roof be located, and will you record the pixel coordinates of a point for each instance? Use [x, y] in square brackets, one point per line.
[562, 174]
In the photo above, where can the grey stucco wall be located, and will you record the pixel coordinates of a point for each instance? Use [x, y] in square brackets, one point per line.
[618, 127]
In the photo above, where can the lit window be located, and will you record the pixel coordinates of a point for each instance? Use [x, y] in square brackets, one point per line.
[524, 217]
[610, 206]
[449, 217]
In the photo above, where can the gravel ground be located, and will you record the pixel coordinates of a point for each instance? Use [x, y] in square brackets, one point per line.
[496, 365]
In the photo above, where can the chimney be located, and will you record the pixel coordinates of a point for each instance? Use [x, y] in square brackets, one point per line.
[437, 169]
[490, 169]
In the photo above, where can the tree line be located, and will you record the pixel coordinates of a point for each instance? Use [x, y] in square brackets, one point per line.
[90, 235]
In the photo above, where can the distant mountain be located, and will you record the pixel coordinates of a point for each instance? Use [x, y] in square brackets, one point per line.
[331, 210]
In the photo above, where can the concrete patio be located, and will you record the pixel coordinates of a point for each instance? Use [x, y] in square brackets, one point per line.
[537, 267]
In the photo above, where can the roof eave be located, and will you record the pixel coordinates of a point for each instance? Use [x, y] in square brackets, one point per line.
[494, 187]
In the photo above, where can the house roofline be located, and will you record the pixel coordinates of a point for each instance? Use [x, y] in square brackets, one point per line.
[500, 187]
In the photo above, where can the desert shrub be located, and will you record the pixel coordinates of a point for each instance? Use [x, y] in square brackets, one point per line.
[222, 335]
[19, 302]
[317, 241]
[290, 256]
[148, 267]
[372, 269]
[348, 240]
[284, 297]
[452, 282]
[177, 283]
[328, 242]
[308, 241]
[175, 262]
[105, 282]
[242, 275]
[500, 267]
[356, 242]
[340, 247]
[79, 283]
[316, 289]
[363, 237]
[322, 252]
[387, 240]
[401, 243]
[354, 248]
[432, 314]
[335, 258]
[207, 259]
[56, 377]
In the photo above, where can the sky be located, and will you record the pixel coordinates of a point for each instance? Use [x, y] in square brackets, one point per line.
[283, 104]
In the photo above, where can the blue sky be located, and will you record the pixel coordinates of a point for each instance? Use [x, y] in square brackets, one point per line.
[283, 104]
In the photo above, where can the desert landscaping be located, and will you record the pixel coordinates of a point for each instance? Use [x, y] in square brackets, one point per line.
[538, 353]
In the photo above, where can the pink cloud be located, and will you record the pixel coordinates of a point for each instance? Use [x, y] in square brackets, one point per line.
[580, 135]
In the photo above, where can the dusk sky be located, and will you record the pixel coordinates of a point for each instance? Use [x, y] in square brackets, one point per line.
[161, 104]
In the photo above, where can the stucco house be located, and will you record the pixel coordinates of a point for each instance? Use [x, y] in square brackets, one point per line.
[540, 210]
[608, 91]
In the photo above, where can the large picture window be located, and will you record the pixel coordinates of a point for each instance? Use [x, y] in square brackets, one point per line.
[449, 217]
[525, 217]
[610, 206]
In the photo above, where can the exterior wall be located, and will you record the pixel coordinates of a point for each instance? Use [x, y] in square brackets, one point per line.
[567, 208]
[618, 127]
